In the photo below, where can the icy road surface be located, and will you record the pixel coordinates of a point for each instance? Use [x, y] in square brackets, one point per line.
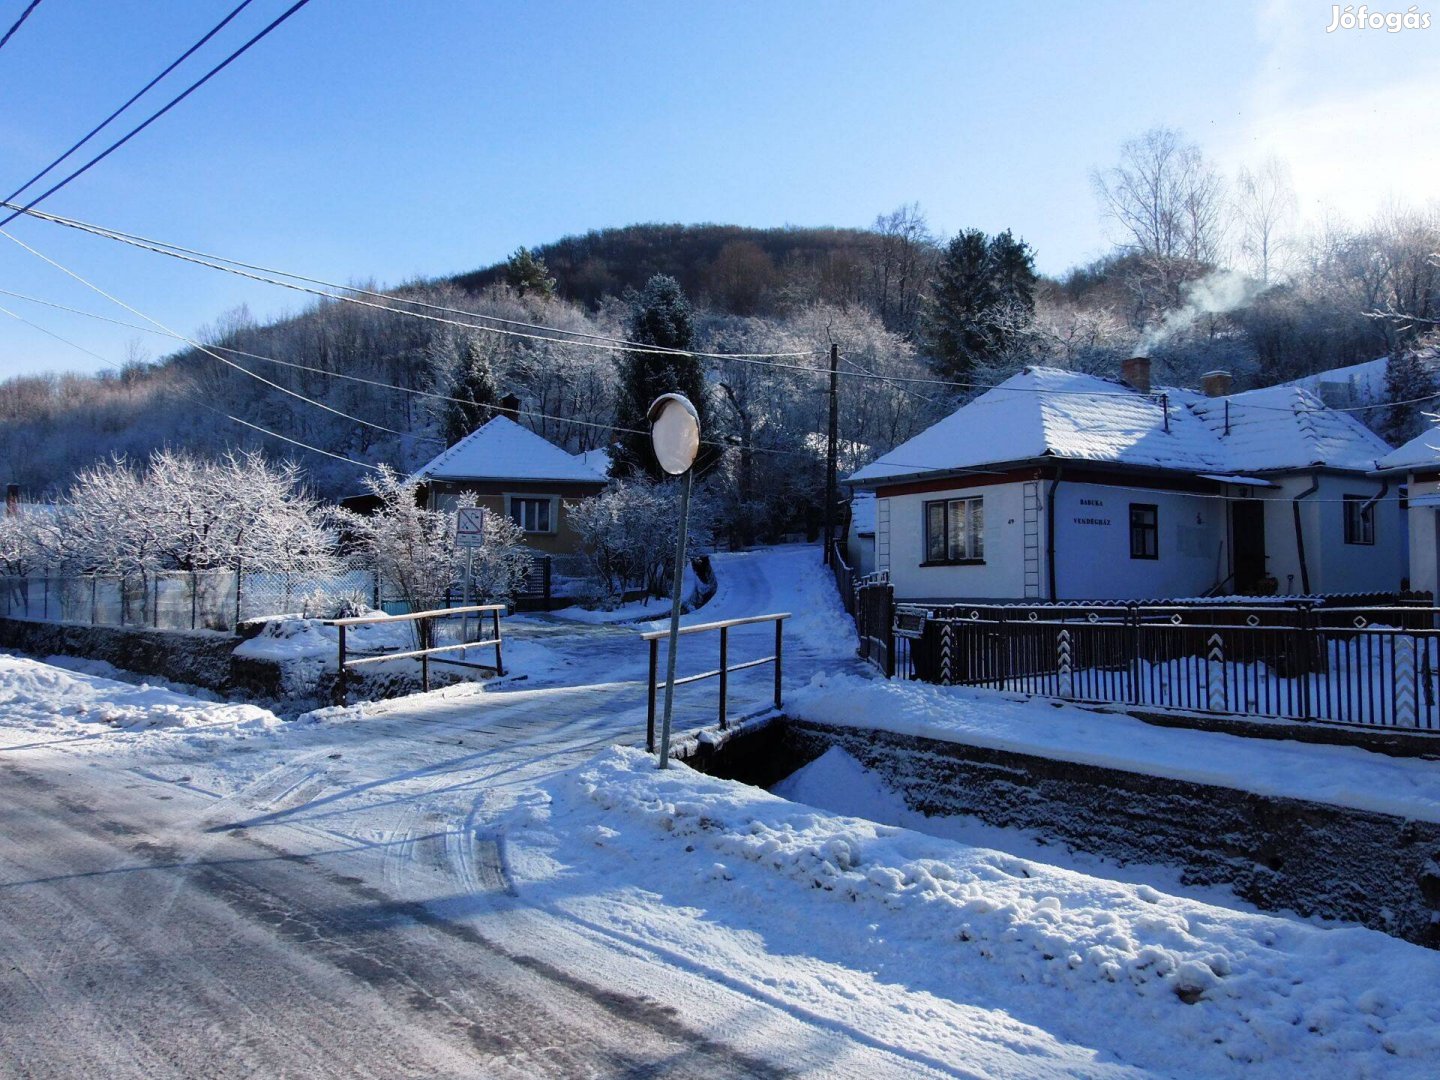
[474, 883]
[197, 889]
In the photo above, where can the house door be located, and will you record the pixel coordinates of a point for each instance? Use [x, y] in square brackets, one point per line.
[1247, 540]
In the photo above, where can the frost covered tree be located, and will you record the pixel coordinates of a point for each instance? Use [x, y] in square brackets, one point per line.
[1411, 383]
[660, 315]
[629, 533]
[414, 551]
[471, 392]
[185, 512]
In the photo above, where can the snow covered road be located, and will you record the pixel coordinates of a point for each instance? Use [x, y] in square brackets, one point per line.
[474, 882]
[223, 895]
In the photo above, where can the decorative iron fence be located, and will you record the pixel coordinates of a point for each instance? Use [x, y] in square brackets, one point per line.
[1374, 666]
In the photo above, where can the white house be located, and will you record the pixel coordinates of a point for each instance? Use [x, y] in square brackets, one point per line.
[1059, 485]
[1418, 464]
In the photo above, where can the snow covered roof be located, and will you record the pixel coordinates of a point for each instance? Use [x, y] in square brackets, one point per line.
[1354, 384]
[1047, 412]
[503, 450]
[598, 460]
[1421, 452]
[862, 513]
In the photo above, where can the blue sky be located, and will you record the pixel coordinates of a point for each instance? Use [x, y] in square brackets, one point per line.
[381, 139]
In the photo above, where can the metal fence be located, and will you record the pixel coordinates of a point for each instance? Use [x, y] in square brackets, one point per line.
[1373, 666]
[180, 599]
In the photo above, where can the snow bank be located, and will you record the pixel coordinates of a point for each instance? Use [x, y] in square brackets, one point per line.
[1156, 981]
[36, 697]
[1341, 775]
[293, 638]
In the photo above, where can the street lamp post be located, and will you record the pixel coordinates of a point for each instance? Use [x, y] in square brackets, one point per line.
[675, 435]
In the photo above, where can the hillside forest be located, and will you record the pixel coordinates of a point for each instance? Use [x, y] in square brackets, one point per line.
[1207, 271]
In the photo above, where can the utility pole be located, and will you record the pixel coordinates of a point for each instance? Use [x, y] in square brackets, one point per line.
[831, 451]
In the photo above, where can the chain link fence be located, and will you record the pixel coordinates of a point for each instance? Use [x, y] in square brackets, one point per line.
[184, 600]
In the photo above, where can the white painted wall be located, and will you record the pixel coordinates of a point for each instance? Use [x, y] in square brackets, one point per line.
[1001, 575]
[1335, 566]
[1424, 534]
[1092, 543]
[1092, 561]
[1340, 567]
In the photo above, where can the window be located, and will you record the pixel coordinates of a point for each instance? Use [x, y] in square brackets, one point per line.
[955, 531]
[1144, 531]
[534, 515]
[1359, 520]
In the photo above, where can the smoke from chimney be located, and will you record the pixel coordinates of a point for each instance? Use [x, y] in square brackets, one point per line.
[1136, 372]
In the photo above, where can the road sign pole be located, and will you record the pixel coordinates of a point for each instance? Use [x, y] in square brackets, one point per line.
[676, 589]
[675, 437]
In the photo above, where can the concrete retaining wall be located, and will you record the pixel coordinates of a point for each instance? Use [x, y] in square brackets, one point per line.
[1277, 853]
[198, 657]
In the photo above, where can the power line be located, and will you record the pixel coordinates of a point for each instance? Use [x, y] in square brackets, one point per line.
[268, 275]
[262, 274]
[196, 345]
[257, 273]
[160, 112]
[442, 397]
[446, 398]
[134, 98]
[190, 398]
[430, 394]
[18, 22]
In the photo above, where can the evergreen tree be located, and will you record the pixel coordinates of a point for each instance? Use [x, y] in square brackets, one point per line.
[1406, 379]
[527, 273]
[983, 291]
[660, 315]
[472, 393]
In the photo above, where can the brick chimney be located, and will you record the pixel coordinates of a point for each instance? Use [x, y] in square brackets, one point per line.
[12, 500]
[1136, 372]
[509, 407]
[1215, 383]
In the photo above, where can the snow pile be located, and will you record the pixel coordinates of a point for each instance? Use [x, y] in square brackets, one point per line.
[1342, 775]
[1123, 969]
[293, 638]
[36, 696]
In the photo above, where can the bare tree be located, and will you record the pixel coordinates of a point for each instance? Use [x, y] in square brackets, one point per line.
[1264, 206]
[903, 251]
[1169, 204]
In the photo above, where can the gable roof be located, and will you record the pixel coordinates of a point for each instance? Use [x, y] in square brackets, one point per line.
[1421, 452]
[504, 450]
[1047, 412]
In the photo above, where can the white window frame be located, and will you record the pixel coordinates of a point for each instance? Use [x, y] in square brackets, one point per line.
[552, 503]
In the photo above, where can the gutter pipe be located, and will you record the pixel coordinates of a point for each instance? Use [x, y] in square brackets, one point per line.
[1300, 534]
